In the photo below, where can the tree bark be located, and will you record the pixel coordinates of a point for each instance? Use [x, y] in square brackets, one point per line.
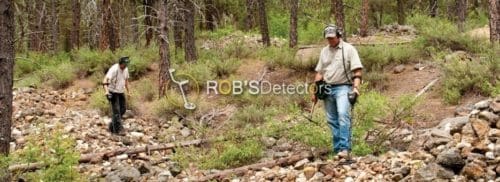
[293, 22]
[494, 11]
[54, 25]
[7, 56]
[363, 28]
[164, 76]
[75, 31]
[189, 39]
[433, 8]
[148, 8]
[250, 14]
[338, 6]
[461, 10]
[105, 25]
[178, 25]
[210, 11]
[401, 12]
[264, 29]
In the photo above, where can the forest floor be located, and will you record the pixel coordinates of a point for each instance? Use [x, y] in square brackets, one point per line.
[69, 109]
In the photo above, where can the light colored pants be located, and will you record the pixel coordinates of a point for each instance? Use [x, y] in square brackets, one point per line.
[338, 116]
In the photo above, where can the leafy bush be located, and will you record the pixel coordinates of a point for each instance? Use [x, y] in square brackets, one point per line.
[371, 106]
[225, 67]
[461, 77]
[377, 57]
[197, 71]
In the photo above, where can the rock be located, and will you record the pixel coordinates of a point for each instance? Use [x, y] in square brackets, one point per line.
[494, 132]
[495, 106]
[185, 132]
[473, 170]
[175, 169]
[480, 127]
[164, 176]
[482, 104]
[399, 69]
[268, 141]
[309, 172]
[15, 133]
[463, 110]
[122, 157]
[453, 125]
[489, 155]
[136, 134]
[126, 174]
[451, 159]
[328, 169]
[144, 168]
[434, 142]
[419, 66]
[349, 179]
[301, 163]
[432, 172]
[488, 116]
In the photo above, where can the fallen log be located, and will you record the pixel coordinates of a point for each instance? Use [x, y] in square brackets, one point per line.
[97, 157]
[258, 166]
[26, 167]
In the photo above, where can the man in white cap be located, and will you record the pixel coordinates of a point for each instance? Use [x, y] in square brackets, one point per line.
[339, 72]
[115, 83]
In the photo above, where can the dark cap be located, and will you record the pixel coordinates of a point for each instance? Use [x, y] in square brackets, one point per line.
[124, 60]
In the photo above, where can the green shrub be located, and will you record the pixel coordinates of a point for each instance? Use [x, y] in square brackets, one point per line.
[226, 67]
[462, 77]
[377, 57]
[232, 155]
[311, 134]
[145, 89]
[58, 76]
[55, 150]
[252, 114]
[197, 71]
[98, 101]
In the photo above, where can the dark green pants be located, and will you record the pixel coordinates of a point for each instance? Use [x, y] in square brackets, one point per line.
[118, 106]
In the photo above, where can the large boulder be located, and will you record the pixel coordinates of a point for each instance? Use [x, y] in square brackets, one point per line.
[125, 174]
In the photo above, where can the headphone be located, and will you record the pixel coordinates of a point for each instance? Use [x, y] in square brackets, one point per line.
[338, 30]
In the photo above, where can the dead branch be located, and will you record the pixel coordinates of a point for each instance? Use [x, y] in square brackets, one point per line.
[427, 87]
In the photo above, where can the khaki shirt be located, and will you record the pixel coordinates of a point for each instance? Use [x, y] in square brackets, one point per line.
[330, 63]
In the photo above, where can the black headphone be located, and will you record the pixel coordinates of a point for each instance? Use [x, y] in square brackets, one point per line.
[338, 30]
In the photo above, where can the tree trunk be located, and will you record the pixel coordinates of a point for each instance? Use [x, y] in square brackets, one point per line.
[7, 56]
[250, 18]
[264, 29]
[148, 8]
[178, 25]
[338, 6]
[293, 22]
[401, 12]
[105, 25]
[461, 10]
[494, 11]
[75, 31]
[36, 22]
[164, 76]
[54, 25]
[210, 11]
[189, 39]
[114, 34]
[363, 28]
[135, 23]
[433, 8]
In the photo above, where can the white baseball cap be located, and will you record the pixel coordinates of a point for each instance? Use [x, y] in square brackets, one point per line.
[330, 31]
